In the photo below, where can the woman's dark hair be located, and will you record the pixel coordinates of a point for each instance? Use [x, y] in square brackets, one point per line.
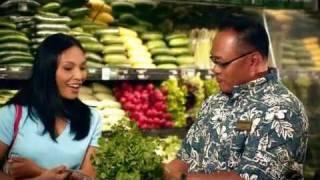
[41, 95]
[250, 32]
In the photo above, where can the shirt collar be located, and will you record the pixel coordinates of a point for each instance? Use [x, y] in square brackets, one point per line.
[272, 75]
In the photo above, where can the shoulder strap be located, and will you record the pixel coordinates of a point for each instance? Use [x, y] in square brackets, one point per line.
[16, 122]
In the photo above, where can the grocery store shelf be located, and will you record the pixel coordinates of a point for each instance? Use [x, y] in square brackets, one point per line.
[22, 73]
[300, 4]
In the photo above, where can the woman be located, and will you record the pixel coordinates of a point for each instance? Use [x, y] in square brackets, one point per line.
[56, 128]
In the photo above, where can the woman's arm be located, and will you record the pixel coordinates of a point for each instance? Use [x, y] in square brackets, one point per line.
[3, 152]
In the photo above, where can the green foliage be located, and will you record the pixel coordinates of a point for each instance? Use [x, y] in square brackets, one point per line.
[127, 155]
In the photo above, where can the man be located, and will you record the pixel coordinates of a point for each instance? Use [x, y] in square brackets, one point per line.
[255, 128]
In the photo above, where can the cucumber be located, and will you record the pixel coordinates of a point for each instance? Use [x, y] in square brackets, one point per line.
[114, 49]
[53, 27]
[51, 7]
[122, 6]
[176, 36]
[75, 23]
[185, 60]
[10, 3]
[128, 18]
[37, 40]
[94, 64]
[48, 14]
[151, 36]
[6, 32]
[156, 44]
[61, 19]
[13, 38]
[45, 33]
[93, 57]
[13, 46]
[111, 39]
[7, 25]
[10, 53]
[177, 42]
[116, 59]
[164, 59]
[78, 12]
[92, 47]
[161, 51]
[16, 58]
[180, 51]
[91, 27]
[86, 39]
[109, 31]
[78, 33]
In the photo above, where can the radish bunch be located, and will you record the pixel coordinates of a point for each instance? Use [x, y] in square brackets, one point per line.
[145, 104]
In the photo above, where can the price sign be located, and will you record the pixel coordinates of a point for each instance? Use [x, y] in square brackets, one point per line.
[185, 73]
[106, 73]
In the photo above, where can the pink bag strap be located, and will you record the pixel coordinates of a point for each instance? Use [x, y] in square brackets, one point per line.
[16, 122]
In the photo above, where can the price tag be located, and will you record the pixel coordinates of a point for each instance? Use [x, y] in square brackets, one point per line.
[106, 72]
[185, 73]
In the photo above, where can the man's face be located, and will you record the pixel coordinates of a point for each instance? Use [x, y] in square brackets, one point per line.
[231, 63]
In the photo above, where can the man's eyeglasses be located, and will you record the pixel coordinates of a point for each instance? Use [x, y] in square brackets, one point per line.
[225, 64]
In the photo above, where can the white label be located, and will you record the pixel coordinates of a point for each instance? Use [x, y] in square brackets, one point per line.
[106, 72]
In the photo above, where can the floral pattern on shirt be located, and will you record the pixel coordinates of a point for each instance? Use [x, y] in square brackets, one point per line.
[273, 147]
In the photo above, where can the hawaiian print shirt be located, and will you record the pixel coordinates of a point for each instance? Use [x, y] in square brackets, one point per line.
[260, 131]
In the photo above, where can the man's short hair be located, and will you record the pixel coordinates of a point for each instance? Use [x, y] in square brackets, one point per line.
[250, 31]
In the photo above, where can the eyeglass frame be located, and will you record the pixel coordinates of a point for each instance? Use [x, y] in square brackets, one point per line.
[225, 64]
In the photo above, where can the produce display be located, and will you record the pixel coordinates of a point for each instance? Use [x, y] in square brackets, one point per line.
[14, 47]
[100, 96]
[145, 104]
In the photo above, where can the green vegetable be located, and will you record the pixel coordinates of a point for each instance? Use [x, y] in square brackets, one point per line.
[176, 100]
[127, 155]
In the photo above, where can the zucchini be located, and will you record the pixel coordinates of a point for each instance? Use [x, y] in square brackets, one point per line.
[145, 5]
[114, 49]
[10, 53]
[6, 32]
[37, 40]
[53, 27]
[93, 57]
[78, 12]
[92, 47]
[51, 7]
[151, 36]
[61, 19]
[86, 39]
[111, 39]
[177, 42]
[128, 18]
[7, 25]
[14, 46]
[13, 38]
